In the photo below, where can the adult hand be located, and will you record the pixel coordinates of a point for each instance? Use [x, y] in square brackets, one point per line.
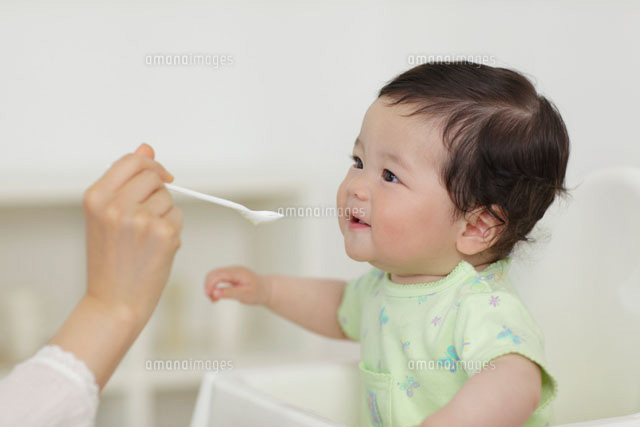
[133, 233]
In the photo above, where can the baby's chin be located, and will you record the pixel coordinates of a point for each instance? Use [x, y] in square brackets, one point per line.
[356, 254]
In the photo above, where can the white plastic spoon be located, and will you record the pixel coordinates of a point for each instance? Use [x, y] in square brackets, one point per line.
[254, 217]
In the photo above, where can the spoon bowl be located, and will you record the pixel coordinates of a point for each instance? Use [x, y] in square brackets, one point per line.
[260, 217]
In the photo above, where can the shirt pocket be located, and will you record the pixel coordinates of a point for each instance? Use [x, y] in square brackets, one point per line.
[375, 401]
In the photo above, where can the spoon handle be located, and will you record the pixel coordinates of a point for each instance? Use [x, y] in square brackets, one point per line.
[202, 196]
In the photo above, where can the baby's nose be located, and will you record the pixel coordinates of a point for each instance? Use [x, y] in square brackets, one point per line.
[358, 187]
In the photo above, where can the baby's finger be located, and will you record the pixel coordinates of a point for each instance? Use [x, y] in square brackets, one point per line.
[209, 289]
[227, 292]
[212, 281]
[215, 277]
[228, 274]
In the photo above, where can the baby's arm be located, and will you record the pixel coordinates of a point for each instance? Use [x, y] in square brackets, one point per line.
[311, 303]
[504, 396]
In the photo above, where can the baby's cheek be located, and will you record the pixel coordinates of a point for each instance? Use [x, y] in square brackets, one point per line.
[394, 234]
[394, 228]
[407, 236]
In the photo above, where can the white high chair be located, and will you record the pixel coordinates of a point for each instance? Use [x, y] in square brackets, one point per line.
[582, 286]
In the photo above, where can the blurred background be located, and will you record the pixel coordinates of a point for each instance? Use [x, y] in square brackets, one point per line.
[269, 122]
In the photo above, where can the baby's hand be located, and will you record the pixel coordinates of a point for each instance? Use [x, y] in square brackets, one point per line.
[246, 286]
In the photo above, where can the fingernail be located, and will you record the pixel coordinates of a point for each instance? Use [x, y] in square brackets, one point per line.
[170, 178]
[217, 293]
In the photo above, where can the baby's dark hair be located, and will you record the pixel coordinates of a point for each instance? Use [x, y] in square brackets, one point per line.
[507, 146]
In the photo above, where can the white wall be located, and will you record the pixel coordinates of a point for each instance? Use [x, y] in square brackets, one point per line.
[75, 91]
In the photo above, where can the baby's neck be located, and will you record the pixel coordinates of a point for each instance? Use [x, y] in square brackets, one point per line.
[407, 279]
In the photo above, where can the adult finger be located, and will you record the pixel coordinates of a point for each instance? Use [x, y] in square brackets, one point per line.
[145, 150]
[159, 203]
[127, 167]
[140, 187]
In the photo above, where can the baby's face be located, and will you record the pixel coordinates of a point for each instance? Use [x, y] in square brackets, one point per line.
[395, 182]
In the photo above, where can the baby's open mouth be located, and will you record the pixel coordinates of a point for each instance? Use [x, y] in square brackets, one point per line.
[355, 220]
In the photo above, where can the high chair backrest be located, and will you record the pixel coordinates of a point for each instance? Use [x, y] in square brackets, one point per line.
[583, 288]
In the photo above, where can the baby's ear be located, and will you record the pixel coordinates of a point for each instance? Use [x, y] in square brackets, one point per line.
[479, 230]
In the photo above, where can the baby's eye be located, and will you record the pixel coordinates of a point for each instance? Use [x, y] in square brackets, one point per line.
[389, 176]
[357, 163]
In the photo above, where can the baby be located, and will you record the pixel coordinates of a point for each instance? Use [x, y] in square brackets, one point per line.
[454, 164]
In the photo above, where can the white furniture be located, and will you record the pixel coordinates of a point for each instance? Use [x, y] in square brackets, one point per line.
[312, 394]
[582, 286]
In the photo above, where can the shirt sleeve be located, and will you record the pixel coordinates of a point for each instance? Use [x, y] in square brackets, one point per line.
[53, 388]
[350, 310]
[496, 323]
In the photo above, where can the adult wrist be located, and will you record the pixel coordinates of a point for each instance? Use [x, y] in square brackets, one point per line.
[120, 314]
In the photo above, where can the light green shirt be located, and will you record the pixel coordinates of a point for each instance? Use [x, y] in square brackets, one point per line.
[421, 342]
